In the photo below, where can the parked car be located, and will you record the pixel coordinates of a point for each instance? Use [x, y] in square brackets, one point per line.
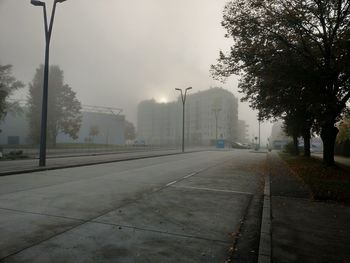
[139, 142]
[238, 145]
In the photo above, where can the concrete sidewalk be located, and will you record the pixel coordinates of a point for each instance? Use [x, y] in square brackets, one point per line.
[304, 230]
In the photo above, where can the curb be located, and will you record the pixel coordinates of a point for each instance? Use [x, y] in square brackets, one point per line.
[57, 167]
[265, 230]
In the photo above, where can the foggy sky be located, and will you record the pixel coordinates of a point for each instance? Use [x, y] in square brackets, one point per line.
[116, 53]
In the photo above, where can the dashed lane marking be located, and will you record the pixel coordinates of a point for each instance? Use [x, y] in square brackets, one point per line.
[189, 175]
[171, 183]
[214, 190]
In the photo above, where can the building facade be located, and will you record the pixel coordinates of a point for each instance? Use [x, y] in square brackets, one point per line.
[14, 129]
[109, 129]
[209, 114]
[158, 123]
[108, 124]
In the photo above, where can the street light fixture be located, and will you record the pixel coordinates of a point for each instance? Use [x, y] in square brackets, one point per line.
[183, 98]
[37, 3]
[48, 32]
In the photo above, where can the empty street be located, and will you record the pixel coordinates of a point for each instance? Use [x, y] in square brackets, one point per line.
[179, 208]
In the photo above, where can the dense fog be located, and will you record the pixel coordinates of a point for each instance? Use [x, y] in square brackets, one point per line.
[117, 53]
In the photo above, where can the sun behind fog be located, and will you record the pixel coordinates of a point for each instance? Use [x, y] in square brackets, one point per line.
[163, 100]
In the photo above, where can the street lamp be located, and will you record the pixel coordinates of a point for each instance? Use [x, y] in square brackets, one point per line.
[259, 120]
[48, 32]
[183, 98]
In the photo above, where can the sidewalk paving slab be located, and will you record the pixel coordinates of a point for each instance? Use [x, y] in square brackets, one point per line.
[304, 230]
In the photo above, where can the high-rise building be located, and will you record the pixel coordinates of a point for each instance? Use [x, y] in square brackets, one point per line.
[209, 114]
[158, 123]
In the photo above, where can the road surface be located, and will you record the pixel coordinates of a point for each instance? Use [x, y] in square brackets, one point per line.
[179, 208]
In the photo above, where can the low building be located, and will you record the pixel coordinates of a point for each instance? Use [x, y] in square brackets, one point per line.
[14, 129]
[98, 128]
[99, 125]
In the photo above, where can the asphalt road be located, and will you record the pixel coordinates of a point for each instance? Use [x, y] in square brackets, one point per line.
[179, 208]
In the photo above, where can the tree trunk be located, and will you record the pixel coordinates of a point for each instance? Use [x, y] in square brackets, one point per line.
[328, 135]
[307, 137]
[296, 144]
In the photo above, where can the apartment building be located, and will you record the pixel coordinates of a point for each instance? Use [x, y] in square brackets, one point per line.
[209, 115]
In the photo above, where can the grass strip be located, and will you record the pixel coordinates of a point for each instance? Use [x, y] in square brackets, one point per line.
[325, 183]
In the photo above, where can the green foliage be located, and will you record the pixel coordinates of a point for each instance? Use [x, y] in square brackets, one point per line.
[15, 155]
[8, 84]
[64, 109]
[94, 131]
[344, 131]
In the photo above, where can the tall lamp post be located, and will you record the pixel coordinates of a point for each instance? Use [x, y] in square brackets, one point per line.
[259, 119]
[183, 98]
[48, 32]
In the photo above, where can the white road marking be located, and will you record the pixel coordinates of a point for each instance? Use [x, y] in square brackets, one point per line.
[189, 175]
[214, 190]
[171, 183]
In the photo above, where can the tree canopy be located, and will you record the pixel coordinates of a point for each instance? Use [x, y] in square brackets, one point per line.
[8, 84]
[344, 131]
[293, 55]
[94, 131]
[64, 109]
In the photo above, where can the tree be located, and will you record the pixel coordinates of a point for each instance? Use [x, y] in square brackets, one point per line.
[64, 109]
[8, 84]
[94, 131]
[129, 131]
[304, 44]
[343, 137]
[344, 131]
